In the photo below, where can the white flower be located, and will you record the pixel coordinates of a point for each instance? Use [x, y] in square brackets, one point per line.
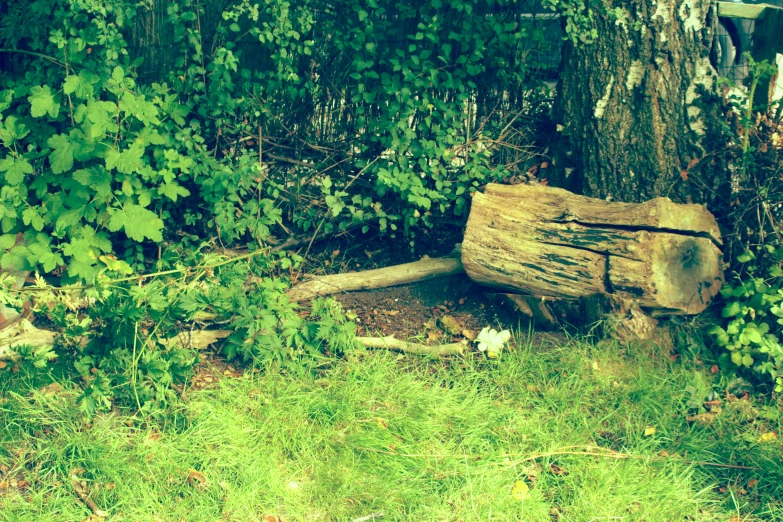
[492, 342]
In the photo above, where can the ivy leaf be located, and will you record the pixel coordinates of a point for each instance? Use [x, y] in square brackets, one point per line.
[128, 161]
[61, 158]
[42, 102]
[138, 222]
[15, 169]
[173, 190]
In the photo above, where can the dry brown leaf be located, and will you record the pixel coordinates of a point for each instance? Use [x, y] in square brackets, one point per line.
[557, 470]
[702, 418]
[752, 483]
[382, 423]
[469, 334]
[197, 479]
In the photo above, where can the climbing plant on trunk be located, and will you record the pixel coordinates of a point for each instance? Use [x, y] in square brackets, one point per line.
[637, 111]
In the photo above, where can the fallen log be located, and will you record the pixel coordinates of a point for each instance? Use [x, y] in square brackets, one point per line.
[422, 270]
[545, 241]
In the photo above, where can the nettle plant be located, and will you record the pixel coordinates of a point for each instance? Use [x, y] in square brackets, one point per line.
[754, 318]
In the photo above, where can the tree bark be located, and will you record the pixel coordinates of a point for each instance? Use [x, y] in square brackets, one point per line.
[546, 241]
[637, 111]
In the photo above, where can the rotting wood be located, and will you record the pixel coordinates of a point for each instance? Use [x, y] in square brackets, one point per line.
[610, 315]
[545, 241]
[422, 270]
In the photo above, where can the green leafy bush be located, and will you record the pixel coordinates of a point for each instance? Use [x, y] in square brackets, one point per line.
[754, 319]
[127, 344]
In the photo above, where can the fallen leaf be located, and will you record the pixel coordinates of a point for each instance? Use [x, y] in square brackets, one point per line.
[768, 437]
[714, 369]
[390, 312]
[469, 334]
[557, 470]
[197, 479]
[271, 518]
[451, 325]
[520, 491]
[22, 484]
[663, 453]
[462, 300]
[3, 364]
[702, 418]
[752, 483]
[382, 423]
[433, 335]
[649, 431]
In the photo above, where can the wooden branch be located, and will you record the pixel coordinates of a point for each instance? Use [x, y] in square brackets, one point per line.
[391, 343]
[422, 270]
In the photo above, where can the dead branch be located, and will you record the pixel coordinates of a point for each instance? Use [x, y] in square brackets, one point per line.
[407, 273]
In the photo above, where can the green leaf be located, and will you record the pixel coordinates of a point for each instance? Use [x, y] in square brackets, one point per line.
[732, 309]
[752, 335]
[173, 190]
[129, 161]
[30, 216]
[101, 115]
[61, 158]
[42, 102]
[78, 85]
[15, 169]
[138, 223]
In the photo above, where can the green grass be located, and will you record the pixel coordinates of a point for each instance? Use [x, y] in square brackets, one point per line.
[411, 439]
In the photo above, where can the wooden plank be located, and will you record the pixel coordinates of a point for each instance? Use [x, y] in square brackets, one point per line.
[767, 41]
[739, 10]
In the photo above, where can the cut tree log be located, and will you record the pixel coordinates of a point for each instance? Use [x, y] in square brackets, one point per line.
[422, 270]
[545, 241]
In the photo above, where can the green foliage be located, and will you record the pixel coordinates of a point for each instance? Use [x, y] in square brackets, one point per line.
[129, 344]
[752, 328]
[273, 120]
[753, 317]
[579, 15]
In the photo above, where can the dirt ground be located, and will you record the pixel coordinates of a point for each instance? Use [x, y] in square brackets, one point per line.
[418, 310]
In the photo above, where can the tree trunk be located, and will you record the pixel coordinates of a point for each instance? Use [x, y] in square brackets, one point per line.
[637, 110]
